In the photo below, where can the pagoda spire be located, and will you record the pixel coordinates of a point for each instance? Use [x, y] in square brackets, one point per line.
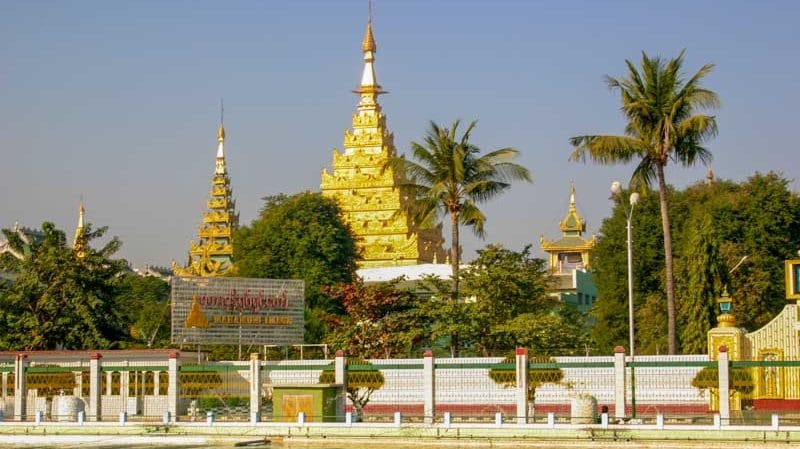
[369, 89]
[220, 164]
[212, 253]
[573, 224]
[79, 241]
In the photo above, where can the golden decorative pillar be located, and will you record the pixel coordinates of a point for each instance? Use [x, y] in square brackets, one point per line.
[368, 192]
[726, 334]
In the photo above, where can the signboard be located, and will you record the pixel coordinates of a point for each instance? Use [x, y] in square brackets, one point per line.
[228, 310]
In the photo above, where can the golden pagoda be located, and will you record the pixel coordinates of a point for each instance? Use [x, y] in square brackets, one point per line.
[369, 193]
[212, 253]
[571, 251]
[196, 317]
[79, 241]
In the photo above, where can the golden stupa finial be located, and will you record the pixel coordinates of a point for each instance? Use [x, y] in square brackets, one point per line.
[368, 44]
[709, 176]
[221, 130]
[79, 242]
[572, 222]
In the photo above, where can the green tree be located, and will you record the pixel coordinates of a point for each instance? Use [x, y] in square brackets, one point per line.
[610, 311]
[511, 306]
[60, 300]
[451, 177]
[143, 302]
[300, 237]
[758, 218]
[704, 271]
[360, 384]
[660, 105]
[559, 331]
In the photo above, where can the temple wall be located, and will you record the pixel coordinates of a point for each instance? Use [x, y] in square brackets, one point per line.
[777, 341]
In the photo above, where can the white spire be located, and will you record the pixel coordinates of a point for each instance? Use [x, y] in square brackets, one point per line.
[221, 143]
[369, 88]
[220, 165]
[81, 212]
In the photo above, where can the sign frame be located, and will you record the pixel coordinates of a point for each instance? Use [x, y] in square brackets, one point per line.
[234, 310]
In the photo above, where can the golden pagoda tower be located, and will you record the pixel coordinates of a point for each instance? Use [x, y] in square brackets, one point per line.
[212, 253]
[369, 193]
[79, 241]
[571, 251]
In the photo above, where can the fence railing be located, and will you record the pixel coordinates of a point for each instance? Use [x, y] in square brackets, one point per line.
[674, 390]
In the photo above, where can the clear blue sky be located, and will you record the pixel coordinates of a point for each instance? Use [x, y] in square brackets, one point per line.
[118, 101]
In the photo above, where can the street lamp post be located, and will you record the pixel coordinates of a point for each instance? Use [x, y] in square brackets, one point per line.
[616, 190]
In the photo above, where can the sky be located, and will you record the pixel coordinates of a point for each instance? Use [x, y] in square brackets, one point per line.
[118, 102]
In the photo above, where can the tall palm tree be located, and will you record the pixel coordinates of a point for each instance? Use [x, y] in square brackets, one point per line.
[451, 178]
[660, 105]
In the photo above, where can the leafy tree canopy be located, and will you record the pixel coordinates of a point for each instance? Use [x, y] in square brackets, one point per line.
[758, 218]
[143, 302]
[380, 321]
[300, 237]
[60, 300]
[508, 307]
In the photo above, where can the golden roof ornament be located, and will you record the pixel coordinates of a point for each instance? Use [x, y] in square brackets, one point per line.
[573, 222]
[368, 44]
[79, 242]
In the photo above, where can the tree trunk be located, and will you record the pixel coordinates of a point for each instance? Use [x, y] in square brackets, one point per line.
[454, 262]
[670, 282]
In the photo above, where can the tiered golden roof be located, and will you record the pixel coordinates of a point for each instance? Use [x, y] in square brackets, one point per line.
[368, 192]
[571, 244]
[212, 253]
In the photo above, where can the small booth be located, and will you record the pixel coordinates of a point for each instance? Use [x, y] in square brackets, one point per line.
[318, 402]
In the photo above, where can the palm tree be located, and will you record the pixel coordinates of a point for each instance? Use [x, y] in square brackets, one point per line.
[452, 178]
[660, 105]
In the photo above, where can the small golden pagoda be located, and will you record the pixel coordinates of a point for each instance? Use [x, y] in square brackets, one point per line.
[212, 254]
[79, 242]
[196, 318]
[369, 194]
[571, 251]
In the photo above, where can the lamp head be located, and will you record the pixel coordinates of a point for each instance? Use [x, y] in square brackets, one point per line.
[634, 198]
[616, 188]
[725, 302]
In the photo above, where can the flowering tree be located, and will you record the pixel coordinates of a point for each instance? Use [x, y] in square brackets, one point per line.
[380, 320]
